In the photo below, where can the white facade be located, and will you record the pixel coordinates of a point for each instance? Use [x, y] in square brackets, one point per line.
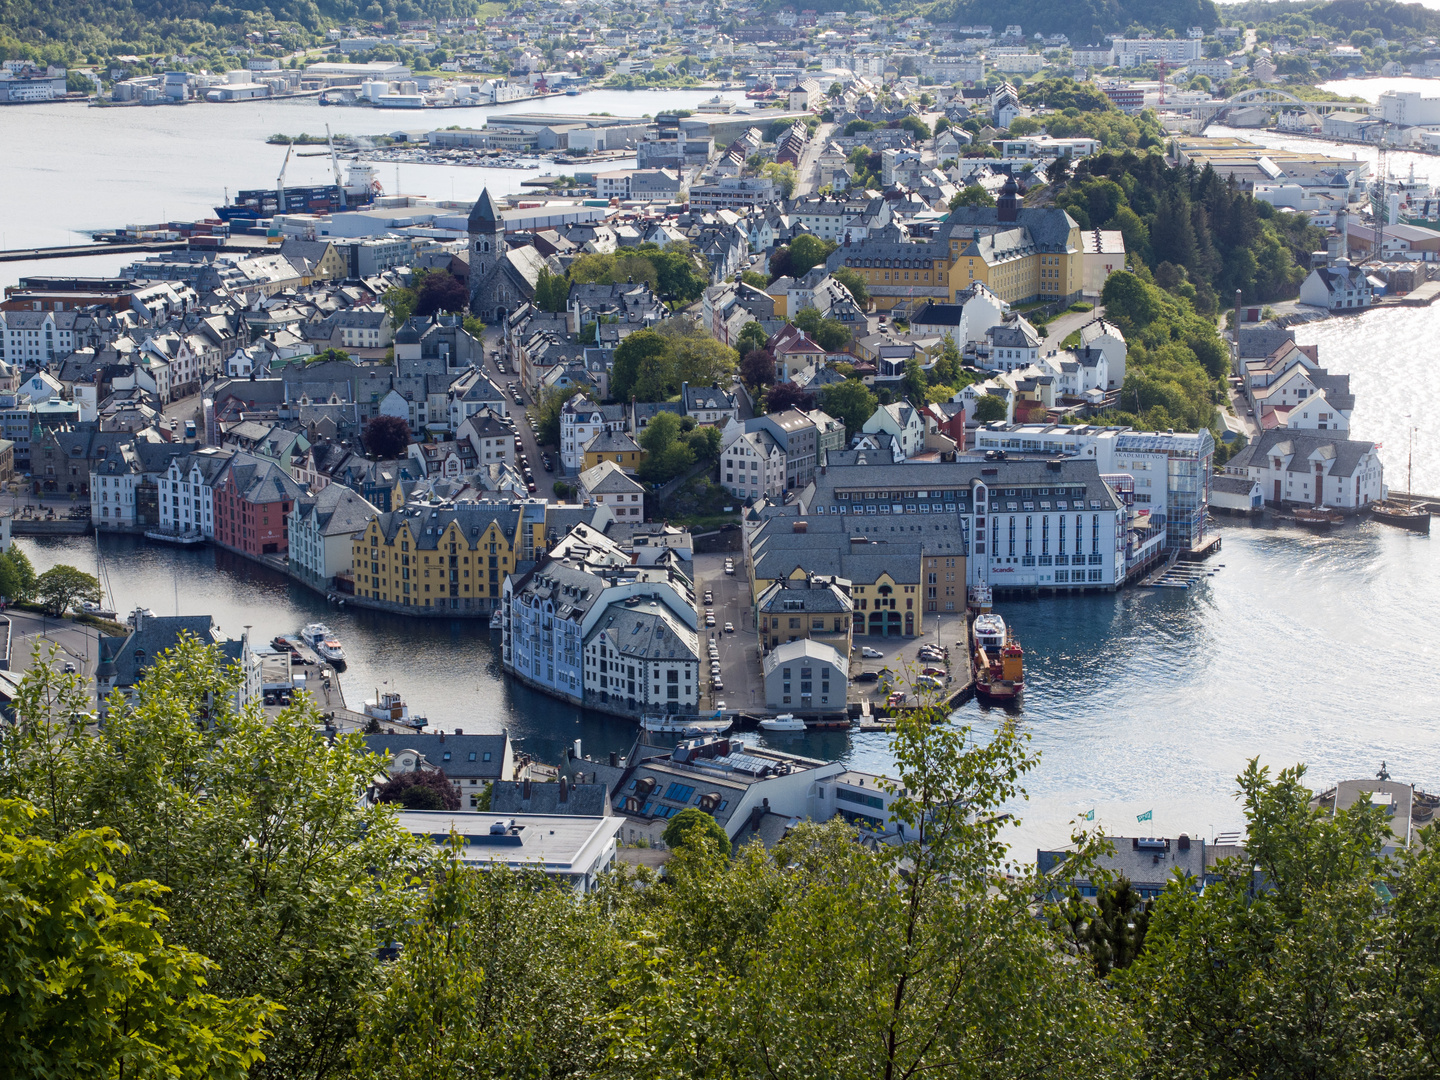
[187, 495]
[1317, 414]
[580, 421]
[905, 425]
[112, 498]
[753, 466]
[806, 676]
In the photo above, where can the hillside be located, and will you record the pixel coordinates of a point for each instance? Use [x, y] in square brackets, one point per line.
[71, 29]
[1083, 21]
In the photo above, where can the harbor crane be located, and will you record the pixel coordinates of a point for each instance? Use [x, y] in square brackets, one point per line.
[280, 182]
[335, 165]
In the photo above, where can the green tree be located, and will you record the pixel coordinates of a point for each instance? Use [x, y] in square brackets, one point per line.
[989, 409]
[1284, 965]
[667, 455]
[947, 370]
[754, 279]
[420, 790]
[752, 336]
[852, 281]
[62, 587]
[913, 382]
[698, 831]
[974, 195]
[850, 401]
[916, 127]
[92, 988]
[400, 303]
[277, 868]
[17, 576]
[552, 291]
[696, 357]
[808, 250]
[644, 368]
[783, 174]
[336, 355]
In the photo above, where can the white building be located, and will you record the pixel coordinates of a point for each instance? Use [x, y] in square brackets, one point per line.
[1130, 52]
[1339, 287]
[322, 533]
[903, 423]
[606, 484]
[1106, 336]
[806, 676]
[1312, 469]
[187, 493]
[580, 421]
[572, 849]
[1104, 253]
[112, 488]
[753, 466]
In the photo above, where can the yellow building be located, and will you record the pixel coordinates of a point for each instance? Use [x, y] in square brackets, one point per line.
[613, 446]
[456, 557]
[1022, 254]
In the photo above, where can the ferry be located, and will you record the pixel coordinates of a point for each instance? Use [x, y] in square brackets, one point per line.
[785, 722]
[391, 708]
[326, 645]
[999, 660]
[685, 726]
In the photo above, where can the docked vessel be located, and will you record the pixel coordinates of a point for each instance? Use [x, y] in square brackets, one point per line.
[390, 708]
[1402, 515]
[326, 645]
[497, 619]
[360, 189]
[981, 598]
[1317, 516]
[686, 726]
[783, 722]
[138, 616]
[999, 660]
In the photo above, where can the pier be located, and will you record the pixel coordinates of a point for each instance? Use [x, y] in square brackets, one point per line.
[77, 250]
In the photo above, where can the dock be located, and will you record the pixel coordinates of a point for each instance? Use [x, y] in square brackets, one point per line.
[78, 250]
[1423, 296]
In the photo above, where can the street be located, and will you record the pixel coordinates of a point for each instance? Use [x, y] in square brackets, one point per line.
[808, 170]
[544, 482]
[79, 644]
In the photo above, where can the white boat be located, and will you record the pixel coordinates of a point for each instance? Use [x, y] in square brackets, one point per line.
[391, 708]
[134, 619]
[323, 640]
[989, 631]
[687, 726]
[497, 619]
[783, 722]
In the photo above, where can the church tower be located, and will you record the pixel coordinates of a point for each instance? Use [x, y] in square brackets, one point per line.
[487, 245]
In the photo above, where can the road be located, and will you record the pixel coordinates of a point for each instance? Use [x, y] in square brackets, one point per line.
[544, 482]
[1066, 323]
[739, 651]
[78, 643]
[809, 168]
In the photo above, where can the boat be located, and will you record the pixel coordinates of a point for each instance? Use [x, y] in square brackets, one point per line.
[497, 619]
[686, 726]
[1407, 516]
[783, 722]
[1317, 516]
[134, 619]
[326, 645]
[360, 189]
[391, 708]
[999, 660]
[981, 598]
[100, 611]
[1401, 515]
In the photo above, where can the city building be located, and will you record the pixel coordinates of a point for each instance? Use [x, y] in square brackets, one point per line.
[817, 608]
[570, 849]
[806, 677]
[252, 503]
[470, 762]
[322, 534]
[1149, 863]
[608, 484]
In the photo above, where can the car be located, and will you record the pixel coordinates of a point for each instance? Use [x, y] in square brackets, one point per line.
[897, 698]
[709, 621]
[720, 706]
[717, 686]
[869, 653]
[939, 673]
[709, 597]
[69, 668]
[927, 682]
[500, 367]
[729, 628]
[549, 466]
[868, 676]
[730, 569]
[937, 657]
[530, 487]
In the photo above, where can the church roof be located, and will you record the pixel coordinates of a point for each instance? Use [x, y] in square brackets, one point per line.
[484, 213]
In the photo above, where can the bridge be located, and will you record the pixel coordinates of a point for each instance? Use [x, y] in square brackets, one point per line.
[1209, 111]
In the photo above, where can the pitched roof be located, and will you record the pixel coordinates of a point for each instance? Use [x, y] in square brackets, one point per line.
[484, 213]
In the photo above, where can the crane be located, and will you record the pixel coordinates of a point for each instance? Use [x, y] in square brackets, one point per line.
[335, 165]
[280, 182]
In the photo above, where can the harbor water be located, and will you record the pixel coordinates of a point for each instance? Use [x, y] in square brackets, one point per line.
[1316, 648]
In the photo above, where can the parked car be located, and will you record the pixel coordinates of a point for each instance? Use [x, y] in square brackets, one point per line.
[717, 686]
[729, 628]
[869, 653]
[868, 676]
[939, 673]
[69, 668]
[720, 706]
[530, 487]
[927, 682]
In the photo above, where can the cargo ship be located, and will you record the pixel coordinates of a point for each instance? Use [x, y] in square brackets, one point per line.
[360, 189]
[999, 660]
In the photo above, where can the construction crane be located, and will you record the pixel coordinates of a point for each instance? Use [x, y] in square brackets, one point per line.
[280, 182]
[335, 165]
[1160, 64]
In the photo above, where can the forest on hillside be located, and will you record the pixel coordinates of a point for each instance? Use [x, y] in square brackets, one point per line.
[1083, 21]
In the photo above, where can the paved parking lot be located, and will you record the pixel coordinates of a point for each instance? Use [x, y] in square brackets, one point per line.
[899, 654]
[739, 652]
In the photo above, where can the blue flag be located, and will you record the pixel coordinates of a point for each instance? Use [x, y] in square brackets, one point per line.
[1088, 817]
[1146, 816]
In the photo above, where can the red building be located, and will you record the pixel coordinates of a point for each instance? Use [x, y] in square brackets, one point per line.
[949, 420]
[253, 499]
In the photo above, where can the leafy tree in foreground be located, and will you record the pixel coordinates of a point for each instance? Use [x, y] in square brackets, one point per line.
[548, 421]
[91, 987]
[697, 830]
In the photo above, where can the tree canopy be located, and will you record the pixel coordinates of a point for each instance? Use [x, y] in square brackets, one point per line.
[652, 364]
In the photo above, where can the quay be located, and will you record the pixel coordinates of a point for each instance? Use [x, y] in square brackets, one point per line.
[75, 250]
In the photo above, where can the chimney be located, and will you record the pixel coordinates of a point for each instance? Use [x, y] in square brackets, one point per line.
[577, 749]
[614, 760]
[525, 789]
[459, 731]
[564, 790]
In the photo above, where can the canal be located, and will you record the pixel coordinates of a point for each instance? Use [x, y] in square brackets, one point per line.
[1301, 647]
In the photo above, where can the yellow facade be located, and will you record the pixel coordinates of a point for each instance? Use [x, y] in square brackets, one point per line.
[628, 460]
[1039, 275]
[471, 570]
